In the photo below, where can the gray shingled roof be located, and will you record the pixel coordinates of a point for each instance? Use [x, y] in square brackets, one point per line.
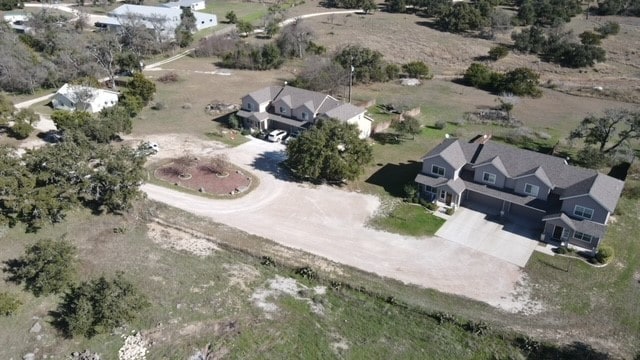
[584, 226]
[265, 94]
[497, 163]
[451, 151]
[602, 188]
[539, 173]
[344, 112]
[296, 97]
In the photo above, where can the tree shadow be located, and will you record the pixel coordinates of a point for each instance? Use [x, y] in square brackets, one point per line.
[387, 138]
[12, 267]
[393, 177]
[575, 350]
[272, 162]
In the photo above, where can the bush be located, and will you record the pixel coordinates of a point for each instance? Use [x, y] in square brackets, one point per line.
[231, 17]
[450, 211]
[9, 304]
[604, 254]
[609, 28]
[498, 52]
[440, 124]
[307, 273]
[47, 267]
[168, 78]
[159, 105]
[429, 205]
[392, 71]
[417, 69]
[21, 130]
[232, 122]
[99, 306]
[590, 38]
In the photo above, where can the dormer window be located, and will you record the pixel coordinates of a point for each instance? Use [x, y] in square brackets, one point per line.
[530, 189]
[305, 116]
[249, 106]
[437, 170]
[283, 110]
[489, 178]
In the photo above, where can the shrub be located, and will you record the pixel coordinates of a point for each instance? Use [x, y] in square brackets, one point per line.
[604, 254]
[417, 69]
[99, 306]
[450, 211]
[21, 130]
[267, 261]
[8, 304]
[560, 250]
[231, 17]
[590, 38]
[47, 267]
[410, 192]
[440, 124]
[429, 205]
[609, 28]
[168, 77]
[392, 71]
[159, 105]
[307, 273]
[498, 52]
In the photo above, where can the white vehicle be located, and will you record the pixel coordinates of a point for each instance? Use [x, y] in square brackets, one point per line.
[276, 135]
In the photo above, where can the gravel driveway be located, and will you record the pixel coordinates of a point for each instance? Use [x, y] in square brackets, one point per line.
[331, 223]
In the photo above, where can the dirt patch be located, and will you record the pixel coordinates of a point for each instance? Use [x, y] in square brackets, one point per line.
[200, 178]
[169, 238]
[279, 286]
[241, 275]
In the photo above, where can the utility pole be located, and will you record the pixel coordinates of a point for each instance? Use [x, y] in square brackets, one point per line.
[350, 78]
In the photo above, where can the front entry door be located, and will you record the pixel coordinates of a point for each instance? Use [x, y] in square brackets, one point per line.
[448, 199]
[557, 232]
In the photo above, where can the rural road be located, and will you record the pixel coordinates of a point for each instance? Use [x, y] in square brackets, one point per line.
[331, 223]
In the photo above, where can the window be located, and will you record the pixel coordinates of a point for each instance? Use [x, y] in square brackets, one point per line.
[430, 189]
[531, 189]
[489, 178]
[583, 212]
[583, 237]
[249, 106]
[283, 110]
[437, 170]
[305, 116]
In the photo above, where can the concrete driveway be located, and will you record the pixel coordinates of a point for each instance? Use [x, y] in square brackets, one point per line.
[332, 223]
[510, 242]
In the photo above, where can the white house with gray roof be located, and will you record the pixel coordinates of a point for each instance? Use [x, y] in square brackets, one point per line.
[569, 204]
[166, 19]
[194, 5]
[290, 108]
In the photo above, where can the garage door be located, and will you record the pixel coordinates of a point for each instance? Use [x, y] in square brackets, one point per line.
[482, 203]
[526, 213]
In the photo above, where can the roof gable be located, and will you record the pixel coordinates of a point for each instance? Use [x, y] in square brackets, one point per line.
[451, 151]
[539, 173]
[497, 164]
[603, 189]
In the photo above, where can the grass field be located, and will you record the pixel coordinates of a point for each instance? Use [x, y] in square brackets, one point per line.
[408, 219]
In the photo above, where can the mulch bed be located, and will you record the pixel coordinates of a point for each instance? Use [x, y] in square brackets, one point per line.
[202, 179]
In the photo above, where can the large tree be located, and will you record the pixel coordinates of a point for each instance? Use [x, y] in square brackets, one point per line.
[46, 267]
[331, 151]
[609, 131]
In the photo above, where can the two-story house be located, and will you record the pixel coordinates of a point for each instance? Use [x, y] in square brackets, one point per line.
[294, 109]
[568, 203]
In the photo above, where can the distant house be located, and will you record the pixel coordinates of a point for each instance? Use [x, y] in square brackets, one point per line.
[155, 18]
[181, 4]
[290, 108]
[17, 20]
[569, 204]
[83, 98]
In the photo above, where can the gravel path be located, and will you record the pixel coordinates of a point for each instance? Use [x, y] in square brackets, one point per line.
[331, 223]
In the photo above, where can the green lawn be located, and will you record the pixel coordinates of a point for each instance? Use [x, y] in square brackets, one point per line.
[408, 219]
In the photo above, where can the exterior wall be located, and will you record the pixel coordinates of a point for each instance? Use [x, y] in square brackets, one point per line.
[61, 102]
[600, 214]
[281, 104]
[205, 21]
[449, 171]
[364, 125]
[255, 106]
[297, 113]
[480, 170]
[550, 227]
[509, 183]
[525, 213]
[543, 191]
[198, 5]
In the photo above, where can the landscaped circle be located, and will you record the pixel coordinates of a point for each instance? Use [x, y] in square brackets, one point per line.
[214, 176]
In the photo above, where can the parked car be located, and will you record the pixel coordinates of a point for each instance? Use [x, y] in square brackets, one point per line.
[276, 135]
[294, 135]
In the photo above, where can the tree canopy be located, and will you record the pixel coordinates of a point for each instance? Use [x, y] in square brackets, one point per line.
[99, 306]
[607, 132]
[47, 267]
[330, 151]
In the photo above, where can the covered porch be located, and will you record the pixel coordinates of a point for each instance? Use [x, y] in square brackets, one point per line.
[446, 191]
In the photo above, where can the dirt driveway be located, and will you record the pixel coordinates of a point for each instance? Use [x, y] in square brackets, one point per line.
[331, 223]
